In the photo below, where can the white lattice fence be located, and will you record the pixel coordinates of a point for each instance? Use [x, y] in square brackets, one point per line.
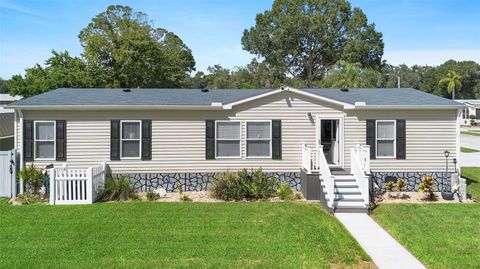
[76, 186]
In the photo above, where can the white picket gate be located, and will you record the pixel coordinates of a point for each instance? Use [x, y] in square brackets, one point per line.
[76, 186]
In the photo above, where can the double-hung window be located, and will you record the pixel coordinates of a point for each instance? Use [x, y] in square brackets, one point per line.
[227, 139]
[259, 139]
[386, 138]
[44, 140]
[130, 143]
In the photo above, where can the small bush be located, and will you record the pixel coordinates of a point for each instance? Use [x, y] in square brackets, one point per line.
[32, 176]
[426, 186]
[118, 189]
[184, 197]
[28, 199]
[284, 191]
[389, 185]
[243, 185]
[401, 183]
[151, 196]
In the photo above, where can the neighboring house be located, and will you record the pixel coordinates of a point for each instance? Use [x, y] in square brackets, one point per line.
[6, 122]
[472, 108]
[160, 137]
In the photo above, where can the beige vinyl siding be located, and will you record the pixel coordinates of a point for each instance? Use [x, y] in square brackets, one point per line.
[178, 137]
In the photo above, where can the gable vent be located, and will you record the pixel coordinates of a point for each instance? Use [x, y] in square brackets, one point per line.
[344, 90]
[204, 90]
[127, 90]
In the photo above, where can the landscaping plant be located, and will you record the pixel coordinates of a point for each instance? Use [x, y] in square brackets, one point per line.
[284, 191]
[118, 189]
[32, 176]
[243, 185]
[426, 186]
[151, 196]
[28, 199]
[401, 183]
[183, 196]
[389, 185]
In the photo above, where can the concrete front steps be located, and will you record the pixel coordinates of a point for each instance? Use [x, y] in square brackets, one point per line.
[348, 198]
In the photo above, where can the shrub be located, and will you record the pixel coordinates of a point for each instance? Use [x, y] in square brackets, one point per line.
[32, 176]
[284, 191]
[389, 185]
[401, 183]
[242, 185]
[151, 196]
[118, 189]
[28, 199]
[426, 186]
[184, 197]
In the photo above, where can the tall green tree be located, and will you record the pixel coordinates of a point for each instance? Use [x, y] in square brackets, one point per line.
[348, 75]
[61, 70]
[453, 81]
[3, 86]
[306, 37]
[130, 52]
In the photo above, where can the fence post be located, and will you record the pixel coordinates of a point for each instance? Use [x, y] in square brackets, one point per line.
[89, 185]
[51, 176]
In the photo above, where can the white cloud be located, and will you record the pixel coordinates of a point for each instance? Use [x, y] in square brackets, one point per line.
[430, 57]
[17, 8]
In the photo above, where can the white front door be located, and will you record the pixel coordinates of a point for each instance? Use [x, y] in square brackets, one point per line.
[330, 136]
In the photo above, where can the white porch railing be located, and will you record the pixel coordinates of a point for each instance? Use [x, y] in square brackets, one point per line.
[76, 186]
[360, 168]
[313, 160]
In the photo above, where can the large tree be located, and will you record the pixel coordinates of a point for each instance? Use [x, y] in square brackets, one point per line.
[61, 70]
[306, 37]
[132, 53]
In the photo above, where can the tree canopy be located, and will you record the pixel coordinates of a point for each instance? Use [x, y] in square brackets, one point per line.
[453, 81]
[130, 52]
[306, 37]
[61, 70]
[348, 75]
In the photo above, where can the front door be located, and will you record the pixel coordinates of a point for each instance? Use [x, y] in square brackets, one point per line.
[330, 138]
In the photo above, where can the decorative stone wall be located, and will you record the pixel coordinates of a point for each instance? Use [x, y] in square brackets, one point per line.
[413, 180]
[143, 182]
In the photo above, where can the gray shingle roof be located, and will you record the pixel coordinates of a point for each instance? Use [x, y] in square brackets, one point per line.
[385, 97]
[6, 124]
[139, 97]
[195, 97]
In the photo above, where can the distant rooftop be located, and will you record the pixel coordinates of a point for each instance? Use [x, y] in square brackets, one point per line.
[197, 97]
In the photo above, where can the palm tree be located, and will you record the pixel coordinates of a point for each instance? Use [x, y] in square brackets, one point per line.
[453, 81]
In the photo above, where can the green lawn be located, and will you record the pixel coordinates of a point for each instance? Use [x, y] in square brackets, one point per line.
[472, 174]
[476, 133]
[176, 235]
[439, 235]
[468, 150]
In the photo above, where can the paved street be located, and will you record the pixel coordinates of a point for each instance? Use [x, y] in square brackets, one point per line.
[473, 142]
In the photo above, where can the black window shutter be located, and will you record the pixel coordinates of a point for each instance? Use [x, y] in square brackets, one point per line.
[276, 139]
[371, 137]
[146, 139]
[28, 140]
[209, 139]
[61, 140]
[114, 140]
[401, 139]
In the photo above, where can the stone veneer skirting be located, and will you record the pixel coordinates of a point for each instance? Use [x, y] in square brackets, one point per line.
[200, 181]
[413, 180]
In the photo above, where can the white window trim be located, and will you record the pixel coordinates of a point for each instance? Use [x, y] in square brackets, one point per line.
[35, 140]
[239, 140]
[394, 140]
[139, 140]
[255, 139]
[341, 126]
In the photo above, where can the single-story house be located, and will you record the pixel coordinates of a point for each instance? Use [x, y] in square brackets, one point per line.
[327, 142]
[472, 109]
[6, 122]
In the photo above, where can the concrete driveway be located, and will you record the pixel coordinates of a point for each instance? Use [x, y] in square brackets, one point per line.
[473, 142]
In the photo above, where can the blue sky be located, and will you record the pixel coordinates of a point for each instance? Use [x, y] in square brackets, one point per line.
[415, 31]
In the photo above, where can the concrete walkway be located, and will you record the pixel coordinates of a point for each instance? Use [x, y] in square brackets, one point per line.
[385, 251]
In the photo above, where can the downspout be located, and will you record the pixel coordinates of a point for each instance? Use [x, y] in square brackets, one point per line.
[19, 142]
[457, 145]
